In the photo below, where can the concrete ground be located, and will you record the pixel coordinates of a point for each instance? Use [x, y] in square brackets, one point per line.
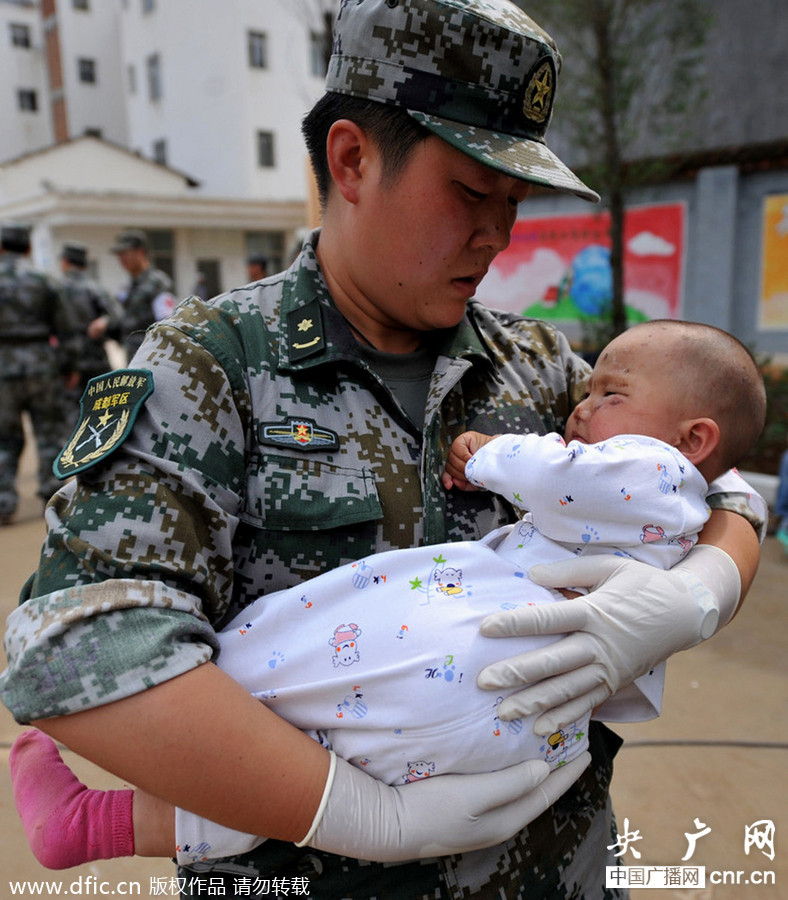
[718, 755]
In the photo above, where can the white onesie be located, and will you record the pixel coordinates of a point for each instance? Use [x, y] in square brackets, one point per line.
[378, 659]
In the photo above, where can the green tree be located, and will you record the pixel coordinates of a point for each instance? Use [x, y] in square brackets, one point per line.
[632, 74]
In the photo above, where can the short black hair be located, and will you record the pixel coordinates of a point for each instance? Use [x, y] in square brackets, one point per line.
[394, 132]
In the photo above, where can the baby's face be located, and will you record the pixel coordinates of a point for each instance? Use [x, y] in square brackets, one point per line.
[632, 390]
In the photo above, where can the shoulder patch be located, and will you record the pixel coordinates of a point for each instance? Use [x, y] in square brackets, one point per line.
[108, 410]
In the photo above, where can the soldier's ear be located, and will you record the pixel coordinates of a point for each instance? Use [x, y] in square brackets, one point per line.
[348, 150]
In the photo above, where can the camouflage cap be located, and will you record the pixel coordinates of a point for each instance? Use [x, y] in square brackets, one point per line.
[76, 253]
[480, 74]
[130, 239]
[15, 238]
[257, 259]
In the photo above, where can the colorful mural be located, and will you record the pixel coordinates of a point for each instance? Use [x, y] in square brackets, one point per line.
[558, 267]
[773, 306]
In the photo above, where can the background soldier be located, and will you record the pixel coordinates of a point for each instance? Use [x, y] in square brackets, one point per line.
[148, 296]
[256, 267]
[37, 345]
[94, 312]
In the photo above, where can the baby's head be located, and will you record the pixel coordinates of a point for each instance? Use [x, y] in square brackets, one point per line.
[693, 386]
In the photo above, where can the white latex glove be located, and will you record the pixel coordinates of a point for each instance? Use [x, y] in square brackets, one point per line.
[635, 617]
[367, 819]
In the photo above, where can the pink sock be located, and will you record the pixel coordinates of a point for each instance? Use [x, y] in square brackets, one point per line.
[65, 822]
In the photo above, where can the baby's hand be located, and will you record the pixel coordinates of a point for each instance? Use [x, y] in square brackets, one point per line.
[462, 449]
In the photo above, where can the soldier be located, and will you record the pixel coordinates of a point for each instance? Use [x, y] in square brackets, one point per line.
[37, 351]
[147, 297]
[256, 266]
[299, 423]
[94, 311]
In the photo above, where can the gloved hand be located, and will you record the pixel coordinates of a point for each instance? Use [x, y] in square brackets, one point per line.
[635, 617]
[367, 819]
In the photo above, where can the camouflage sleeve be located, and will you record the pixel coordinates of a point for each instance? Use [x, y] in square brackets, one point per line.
[731, 492]
[83, 647]
[138, 561]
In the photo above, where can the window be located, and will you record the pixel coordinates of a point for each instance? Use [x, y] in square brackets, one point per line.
[27, 99]
[162, 250]
[265, 149]
[81, 4]
[20, 35]
[87, 70]
[160, 151]
[153, 65]
[319, 52]
[258, 50]
[148, 5]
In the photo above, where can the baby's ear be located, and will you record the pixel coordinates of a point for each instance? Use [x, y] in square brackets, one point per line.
[699, 438]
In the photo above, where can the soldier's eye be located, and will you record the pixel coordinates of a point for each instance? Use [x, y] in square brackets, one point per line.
[473, 194]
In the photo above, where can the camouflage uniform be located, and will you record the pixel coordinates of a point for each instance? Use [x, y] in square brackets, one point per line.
[269, 452]
[31, 313]
[87, 300]
[139, 307]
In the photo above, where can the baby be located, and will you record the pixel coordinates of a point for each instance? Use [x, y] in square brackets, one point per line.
[378, 660]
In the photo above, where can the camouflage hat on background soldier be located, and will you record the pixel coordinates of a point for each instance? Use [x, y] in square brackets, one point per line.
[480, 74]
[257, 259]
[130, 239]
[76, 253]
[15, 238]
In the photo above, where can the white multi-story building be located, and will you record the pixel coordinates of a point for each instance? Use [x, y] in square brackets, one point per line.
[61, 73]
[24, 95]
[218, 89]
[82, 41]
[214, 91]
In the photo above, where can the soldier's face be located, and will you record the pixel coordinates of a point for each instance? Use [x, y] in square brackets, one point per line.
[132, 260]
[427, 239]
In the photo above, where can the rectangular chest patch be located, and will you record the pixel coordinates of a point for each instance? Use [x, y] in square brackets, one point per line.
[303, 434]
